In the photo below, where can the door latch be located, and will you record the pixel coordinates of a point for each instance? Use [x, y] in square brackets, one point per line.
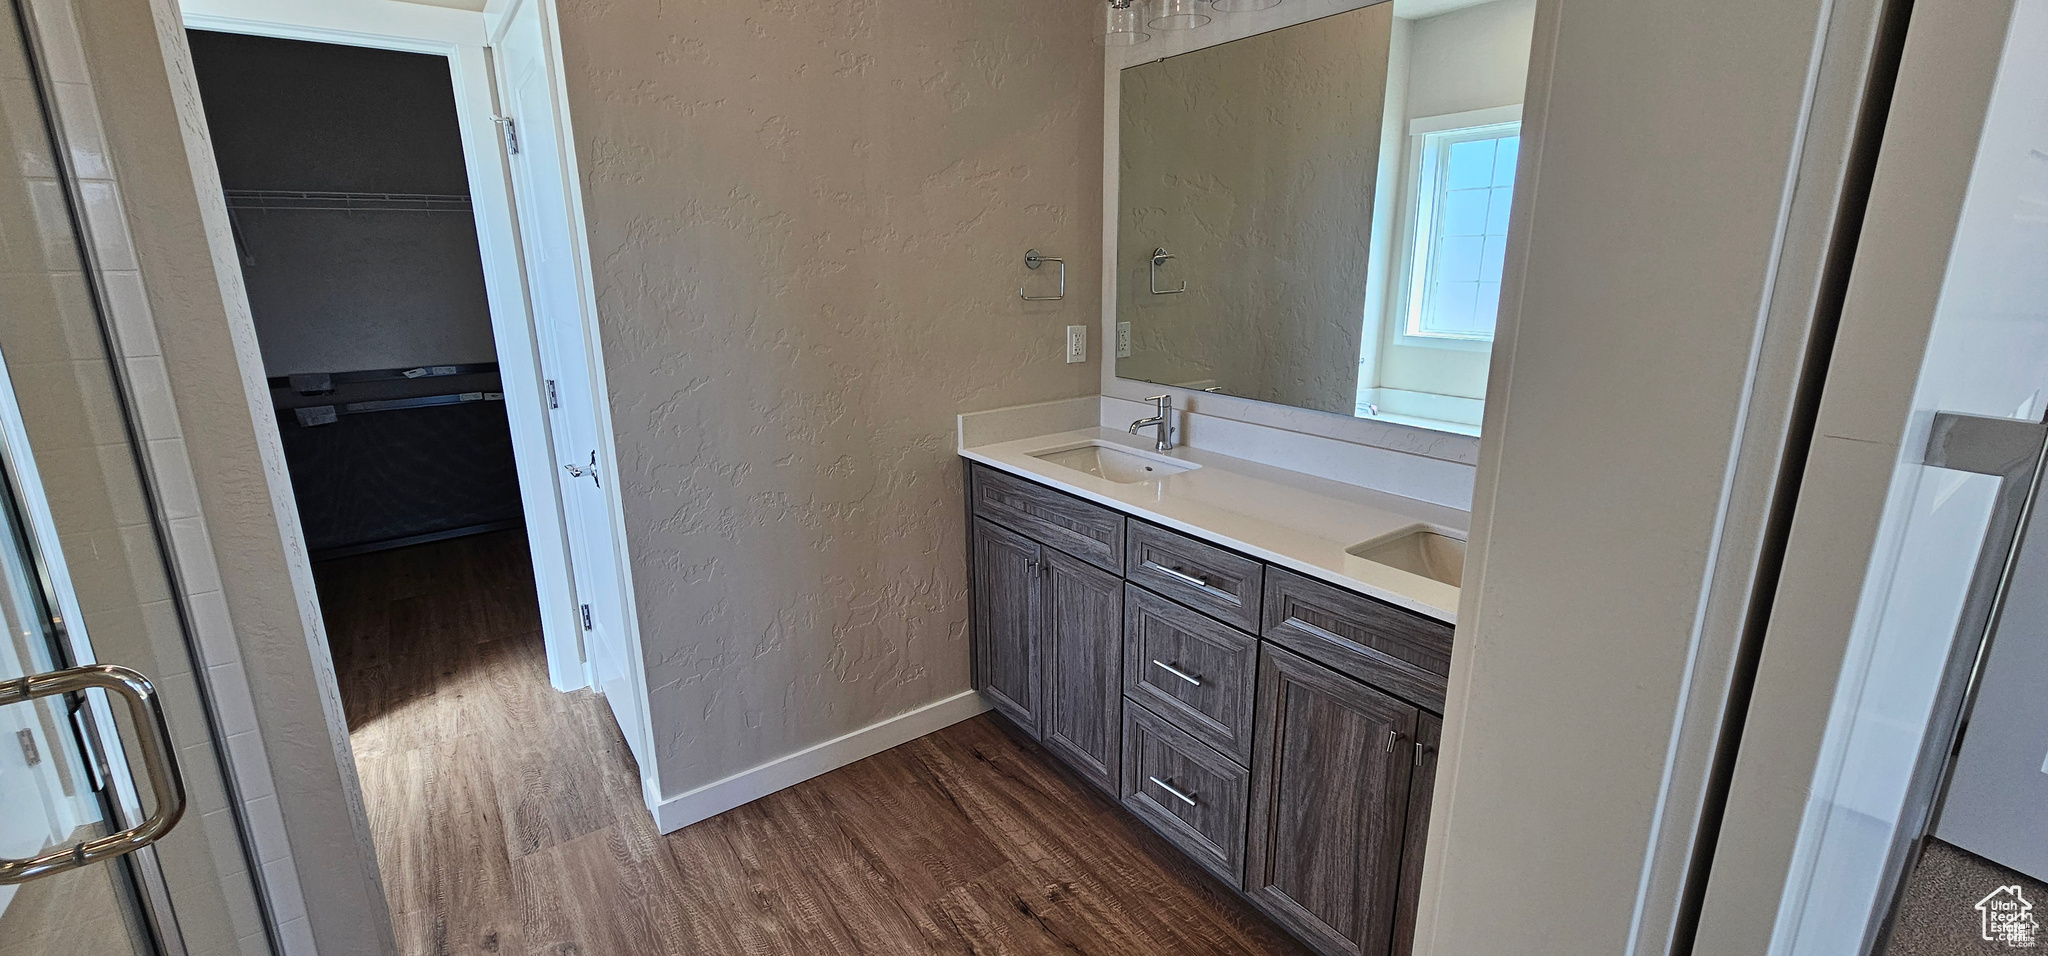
[578, 471]
[586, 617]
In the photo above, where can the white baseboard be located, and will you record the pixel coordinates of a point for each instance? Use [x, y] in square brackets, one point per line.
[674, 813]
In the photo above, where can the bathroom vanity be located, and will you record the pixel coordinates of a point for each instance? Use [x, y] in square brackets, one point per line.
[1252, 662]
[1305, 208]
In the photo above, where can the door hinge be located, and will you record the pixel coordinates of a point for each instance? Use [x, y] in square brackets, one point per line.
[586, 617]
[30, 753]
[511, 133]
[96, 769]
[554, 397]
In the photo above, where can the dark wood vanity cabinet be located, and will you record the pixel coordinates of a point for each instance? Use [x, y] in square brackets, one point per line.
[1006, 613]
[1329, 804]
[1081, 614]
[1048, 653]
[1279, 730]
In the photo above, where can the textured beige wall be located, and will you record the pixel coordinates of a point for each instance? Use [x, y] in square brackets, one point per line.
[1254, 163]
[808, 223]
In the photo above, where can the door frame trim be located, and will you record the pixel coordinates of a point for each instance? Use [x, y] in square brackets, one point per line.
[460, 36]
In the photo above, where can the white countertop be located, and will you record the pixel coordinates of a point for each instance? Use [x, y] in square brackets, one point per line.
[1300, 522]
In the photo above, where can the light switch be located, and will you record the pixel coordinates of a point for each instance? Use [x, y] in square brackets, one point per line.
[1077, 344]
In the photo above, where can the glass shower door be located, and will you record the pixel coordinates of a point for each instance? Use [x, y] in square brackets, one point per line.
[63, 886]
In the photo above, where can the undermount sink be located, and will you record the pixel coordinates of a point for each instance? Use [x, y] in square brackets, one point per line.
[1424, 551]
[1113, 462]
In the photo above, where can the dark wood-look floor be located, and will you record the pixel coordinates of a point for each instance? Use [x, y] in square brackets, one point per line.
[508, 817]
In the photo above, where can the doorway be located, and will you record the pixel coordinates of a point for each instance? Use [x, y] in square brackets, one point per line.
[525, 205]
[345, 180]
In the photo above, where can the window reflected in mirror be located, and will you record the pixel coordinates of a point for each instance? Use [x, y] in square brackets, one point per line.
[1317, 215]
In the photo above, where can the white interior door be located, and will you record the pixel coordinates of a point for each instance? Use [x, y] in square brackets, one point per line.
[569, 358]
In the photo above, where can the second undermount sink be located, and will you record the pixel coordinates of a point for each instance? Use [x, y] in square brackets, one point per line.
[1425, 551]
[1113, 462]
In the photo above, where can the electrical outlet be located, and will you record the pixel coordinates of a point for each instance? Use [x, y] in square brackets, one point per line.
[1077, 344]
[1123, 340]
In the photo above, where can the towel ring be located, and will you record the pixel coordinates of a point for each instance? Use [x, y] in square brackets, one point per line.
[1032, 260]
[1160, 255]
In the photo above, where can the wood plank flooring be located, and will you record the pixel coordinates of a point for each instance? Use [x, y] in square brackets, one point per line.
[508, 818]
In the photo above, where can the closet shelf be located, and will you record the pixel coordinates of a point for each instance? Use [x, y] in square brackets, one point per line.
[363, 202]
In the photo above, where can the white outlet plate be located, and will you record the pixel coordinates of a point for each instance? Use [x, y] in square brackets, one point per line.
[1077, 344]
[1123, 340]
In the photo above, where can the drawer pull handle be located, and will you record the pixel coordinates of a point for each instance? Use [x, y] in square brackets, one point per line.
[1198, 583]
[1322, 632]
[1177, 672]
[1175, 792]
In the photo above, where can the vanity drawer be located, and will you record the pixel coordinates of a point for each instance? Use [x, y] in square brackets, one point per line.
[1193, 671]
[1398, 651]
[1196, 573]
[1092, 533]
[1195, 797]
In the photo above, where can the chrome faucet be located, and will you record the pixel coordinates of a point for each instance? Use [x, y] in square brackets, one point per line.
[1162, 418]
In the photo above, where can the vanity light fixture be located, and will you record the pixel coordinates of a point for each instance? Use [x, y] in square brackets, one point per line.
[1123, 26]
[1178, 15]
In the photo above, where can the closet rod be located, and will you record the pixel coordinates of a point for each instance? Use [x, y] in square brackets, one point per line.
[368, 202]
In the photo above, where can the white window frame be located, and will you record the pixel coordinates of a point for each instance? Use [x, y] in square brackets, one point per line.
[1419, 184]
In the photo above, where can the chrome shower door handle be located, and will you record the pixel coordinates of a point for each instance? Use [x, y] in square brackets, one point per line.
[1159, 256]
[166, 783]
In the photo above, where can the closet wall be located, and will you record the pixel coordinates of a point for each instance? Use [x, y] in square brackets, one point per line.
[349, 200]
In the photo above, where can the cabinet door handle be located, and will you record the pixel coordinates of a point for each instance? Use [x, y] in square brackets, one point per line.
[1177, 672]
[1394, 739]
[1175, 792]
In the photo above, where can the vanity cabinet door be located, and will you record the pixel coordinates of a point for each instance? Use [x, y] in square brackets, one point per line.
[1081, 615]
[1329, 800]
[1006, 610]
[1429, 729]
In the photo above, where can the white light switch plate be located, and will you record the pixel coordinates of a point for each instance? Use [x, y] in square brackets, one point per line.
[1077, 344]
[1123, 340]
